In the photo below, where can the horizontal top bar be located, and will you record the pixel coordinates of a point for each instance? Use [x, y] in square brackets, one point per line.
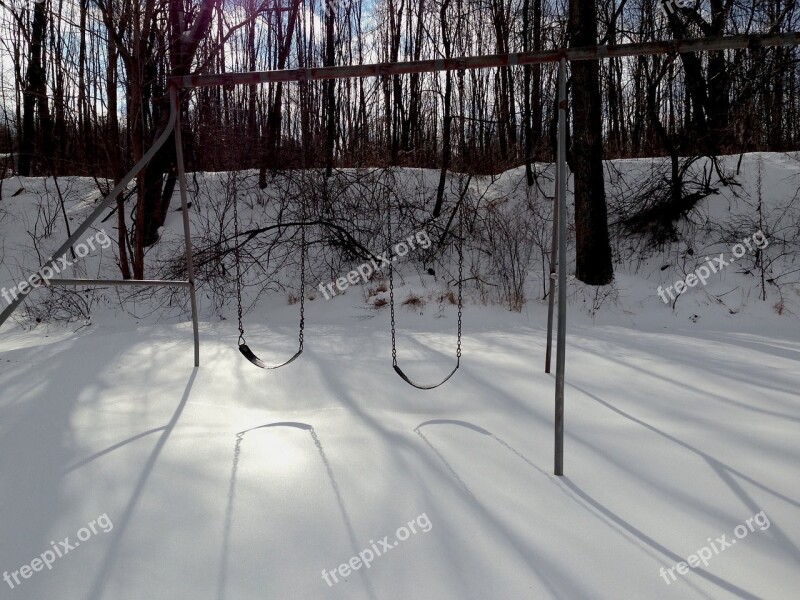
[143, 282]
[494, 60]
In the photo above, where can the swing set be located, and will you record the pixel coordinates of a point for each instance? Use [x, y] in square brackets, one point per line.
[560, 56]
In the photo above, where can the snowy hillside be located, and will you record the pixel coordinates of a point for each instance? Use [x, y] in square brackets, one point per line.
[127, 474]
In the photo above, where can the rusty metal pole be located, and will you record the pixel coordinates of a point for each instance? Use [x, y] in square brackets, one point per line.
[175, 107]
[562, 266]
[736, 42]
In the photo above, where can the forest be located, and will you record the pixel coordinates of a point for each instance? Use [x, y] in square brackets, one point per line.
[83, 91]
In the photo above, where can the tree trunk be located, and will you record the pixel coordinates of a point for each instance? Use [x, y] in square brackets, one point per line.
[275, 116]
[537, 110]
[526, 92]
[331, 92]
[593, 249]
[448, 92]
[115, 156]
[35, 93]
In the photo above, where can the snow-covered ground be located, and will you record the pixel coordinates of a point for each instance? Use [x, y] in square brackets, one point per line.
[229, 482]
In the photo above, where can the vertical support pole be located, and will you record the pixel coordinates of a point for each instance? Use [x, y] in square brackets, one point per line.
[562, 266]
[187, 238]
[551, 299]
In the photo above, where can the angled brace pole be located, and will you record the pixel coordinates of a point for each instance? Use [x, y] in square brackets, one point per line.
[97, 212]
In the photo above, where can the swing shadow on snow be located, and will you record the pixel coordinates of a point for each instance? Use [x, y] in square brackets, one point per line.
[111, 448]
[585, 500]
[228, 527]
[518, 543]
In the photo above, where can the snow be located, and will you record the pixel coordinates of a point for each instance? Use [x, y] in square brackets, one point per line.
[229, 482]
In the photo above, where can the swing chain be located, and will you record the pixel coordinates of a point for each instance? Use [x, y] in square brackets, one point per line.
[460, 249]
[303, 248]
[391, 284]
[302, 273]
[461, 213]
[237, 258]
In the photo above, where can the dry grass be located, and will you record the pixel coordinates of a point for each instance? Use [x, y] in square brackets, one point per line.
[378, 289]
[414, 301]
[448, 297]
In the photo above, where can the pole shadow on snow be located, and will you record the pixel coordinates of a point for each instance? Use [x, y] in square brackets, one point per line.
[546, 568]
[555, 587]
[693, 360]
[724, 471]
[122, 523]
[222, 578]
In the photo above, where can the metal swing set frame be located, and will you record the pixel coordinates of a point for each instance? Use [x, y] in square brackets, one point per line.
[559, 247]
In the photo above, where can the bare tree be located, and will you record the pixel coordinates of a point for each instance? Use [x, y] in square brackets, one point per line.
[593, 249]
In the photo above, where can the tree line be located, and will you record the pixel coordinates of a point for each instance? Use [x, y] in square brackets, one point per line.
[83, 91]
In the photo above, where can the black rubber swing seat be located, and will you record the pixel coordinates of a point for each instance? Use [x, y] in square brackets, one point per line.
[420, 386]
[249, 355]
